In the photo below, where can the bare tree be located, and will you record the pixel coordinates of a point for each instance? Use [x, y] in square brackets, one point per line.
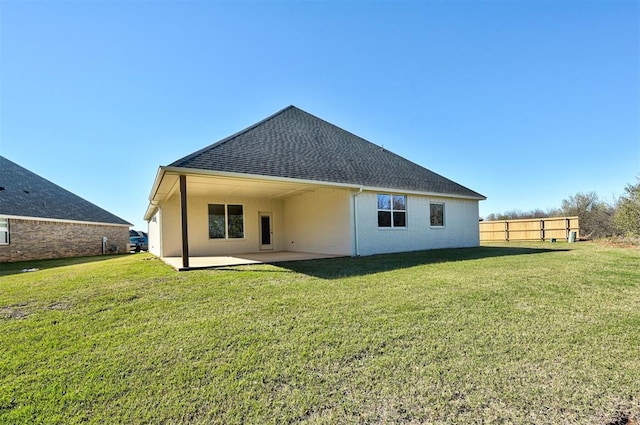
[596, 217]
[517, 214]
[627, 215]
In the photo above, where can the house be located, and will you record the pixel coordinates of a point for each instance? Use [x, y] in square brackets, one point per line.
[39, 219]
[294, 182]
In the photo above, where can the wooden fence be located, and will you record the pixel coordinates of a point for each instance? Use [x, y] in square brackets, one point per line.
[533, 229]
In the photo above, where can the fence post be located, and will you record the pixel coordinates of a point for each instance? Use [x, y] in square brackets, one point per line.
[506, 230]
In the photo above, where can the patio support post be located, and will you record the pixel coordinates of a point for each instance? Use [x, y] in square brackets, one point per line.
[183, 209]
[355, 223]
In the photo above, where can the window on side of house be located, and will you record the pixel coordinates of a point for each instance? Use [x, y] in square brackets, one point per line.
[392, 210]
[226, 221]
[4, 231]
[436, 214]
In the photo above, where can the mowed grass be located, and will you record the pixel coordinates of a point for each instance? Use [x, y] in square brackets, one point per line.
[523, 334]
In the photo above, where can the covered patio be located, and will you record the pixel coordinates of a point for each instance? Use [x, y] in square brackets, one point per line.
[278, 220]
[196, 263]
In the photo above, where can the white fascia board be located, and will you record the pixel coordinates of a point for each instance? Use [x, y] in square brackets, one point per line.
[62, 220]
[417, 192]
[198, 172]
[151, 211]
[195, 171]
[156, 183]
[153, 203]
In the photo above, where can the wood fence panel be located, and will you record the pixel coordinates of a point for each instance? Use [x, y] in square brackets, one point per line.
[534, 229]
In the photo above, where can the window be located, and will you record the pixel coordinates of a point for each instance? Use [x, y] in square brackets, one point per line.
[437, 215]
[226, 221]
[392, 210]
[4, 231]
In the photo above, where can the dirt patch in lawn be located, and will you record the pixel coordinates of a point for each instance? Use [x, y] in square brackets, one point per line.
[623, 419]
[14, 311]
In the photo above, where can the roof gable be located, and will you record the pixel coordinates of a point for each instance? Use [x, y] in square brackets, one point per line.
[26, 194]
[295, 144]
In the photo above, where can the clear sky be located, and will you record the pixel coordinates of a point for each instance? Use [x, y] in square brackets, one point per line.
[526, 102]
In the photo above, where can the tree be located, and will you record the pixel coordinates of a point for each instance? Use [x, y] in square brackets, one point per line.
[627, 216]
[517, 214]
[596, 217]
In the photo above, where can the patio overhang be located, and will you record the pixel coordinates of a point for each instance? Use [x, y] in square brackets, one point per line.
[218, 183]
[167, 179]
[189, 184]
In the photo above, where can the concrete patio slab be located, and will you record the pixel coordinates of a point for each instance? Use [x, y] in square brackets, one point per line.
[243, 259]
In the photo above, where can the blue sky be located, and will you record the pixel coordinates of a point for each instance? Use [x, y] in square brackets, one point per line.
[526, 102]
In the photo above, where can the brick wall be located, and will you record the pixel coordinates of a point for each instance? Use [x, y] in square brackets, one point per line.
[35, 240]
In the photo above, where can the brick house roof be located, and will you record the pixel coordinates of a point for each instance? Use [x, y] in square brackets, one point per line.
[26, 194]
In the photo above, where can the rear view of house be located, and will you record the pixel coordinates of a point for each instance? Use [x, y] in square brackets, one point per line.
[294, 182]
[39, 219]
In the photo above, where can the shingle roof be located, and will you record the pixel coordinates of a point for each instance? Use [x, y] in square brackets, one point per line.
[26, 194]
[295, 144]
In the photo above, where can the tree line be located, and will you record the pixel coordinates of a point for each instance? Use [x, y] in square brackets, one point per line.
[598, 218]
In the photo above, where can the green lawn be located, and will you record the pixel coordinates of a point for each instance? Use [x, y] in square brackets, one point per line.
[524, 334]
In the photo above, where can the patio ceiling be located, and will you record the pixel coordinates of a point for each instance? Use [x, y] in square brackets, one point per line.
[224, 184]
[231, 186]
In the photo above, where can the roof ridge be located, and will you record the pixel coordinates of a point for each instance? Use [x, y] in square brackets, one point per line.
[339, 128]
[233, 136]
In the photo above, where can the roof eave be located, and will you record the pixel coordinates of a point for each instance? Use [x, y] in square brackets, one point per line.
[151, 211]
[423, 193]
[63, 220]
[153, 202]
[213, 173]
[156, 183]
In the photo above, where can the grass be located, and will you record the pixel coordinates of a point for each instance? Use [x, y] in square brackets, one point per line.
[533, 333]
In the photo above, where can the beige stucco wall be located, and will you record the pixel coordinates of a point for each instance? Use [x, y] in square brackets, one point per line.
[198, 226]
[40, 239]
[153, 233]
[461, 226]
[170, 226]
[319, 222]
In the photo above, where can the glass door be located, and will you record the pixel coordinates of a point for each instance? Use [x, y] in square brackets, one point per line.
[266, 231]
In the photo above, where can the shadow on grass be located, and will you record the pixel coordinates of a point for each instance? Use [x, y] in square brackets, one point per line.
[360, 266]
[18, 267]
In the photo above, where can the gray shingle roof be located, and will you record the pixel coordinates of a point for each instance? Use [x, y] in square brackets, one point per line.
[295, 144]
[26, 194]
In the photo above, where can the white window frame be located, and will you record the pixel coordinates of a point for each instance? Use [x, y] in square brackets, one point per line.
[444, 221]
[392, 211]
[4, 232]
[226, 222]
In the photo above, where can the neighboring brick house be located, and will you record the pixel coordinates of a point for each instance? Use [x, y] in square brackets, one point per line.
[39, 220]
[294, 182]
